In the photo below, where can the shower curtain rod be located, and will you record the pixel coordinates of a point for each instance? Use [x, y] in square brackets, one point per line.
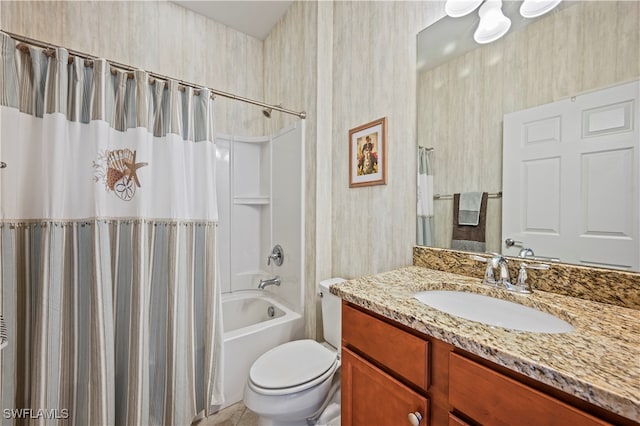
[152, 75]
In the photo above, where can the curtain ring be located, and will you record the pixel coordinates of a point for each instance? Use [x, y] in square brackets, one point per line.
[3, 165]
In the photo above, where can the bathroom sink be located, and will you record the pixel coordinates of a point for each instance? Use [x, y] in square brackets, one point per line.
[492, 311]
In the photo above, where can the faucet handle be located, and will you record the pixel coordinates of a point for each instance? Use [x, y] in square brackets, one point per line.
[535, 265]
[479, 258]
[522, 286]
[505, 274]
[489, 276]
[277, 255]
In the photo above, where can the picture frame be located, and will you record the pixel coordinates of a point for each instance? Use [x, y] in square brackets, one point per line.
[368, 154]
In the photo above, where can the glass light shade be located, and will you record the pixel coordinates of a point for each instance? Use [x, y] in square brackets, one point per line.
[493, 24]
[458, 8]
[535, 8]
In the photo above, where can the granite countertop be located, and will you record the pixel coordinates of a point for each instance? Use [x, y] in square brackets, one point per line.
[598, 362]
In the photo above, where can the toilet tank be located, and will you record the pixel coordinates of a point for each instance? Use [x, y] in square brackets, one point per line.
[331, 313]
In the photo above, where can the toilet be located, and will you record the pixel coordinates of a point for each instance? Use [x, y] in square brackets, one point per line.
[291, 382]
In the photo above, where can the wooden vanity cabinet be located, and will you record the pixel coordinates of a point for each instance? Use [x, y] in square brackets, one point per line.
[390, 370]
[491, 398]
[387, 372]
[456, 421]
[375, 397]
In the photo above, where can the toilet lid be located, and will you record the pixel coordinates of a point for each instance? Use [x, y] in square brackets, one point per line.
[292, 364]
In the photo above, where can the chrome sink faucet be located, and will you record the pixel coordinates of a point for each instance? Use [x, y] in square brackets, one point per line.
[494, 263]
[526, 252]
[505, 276]
[500, 263]
[269, 281]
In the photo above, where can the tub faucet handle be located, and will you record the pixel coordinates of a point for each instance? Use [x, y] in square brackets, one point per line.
[277, 255]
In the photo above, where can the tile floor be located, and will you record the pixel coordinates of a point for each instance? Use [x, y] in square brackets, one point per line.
[235, 415]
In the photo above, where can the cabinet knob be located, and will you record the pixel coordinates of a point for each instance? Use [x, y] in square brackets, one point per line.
[415, 418]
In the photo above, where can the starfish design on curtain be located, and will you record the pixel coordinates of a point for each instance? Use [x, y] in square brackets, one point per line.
[118, 171]
[133, 167]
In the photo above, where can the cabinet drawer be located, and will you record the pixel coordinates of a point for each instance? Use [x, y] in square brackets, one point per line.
[455, 421]
[491, 398]
[372, 397]
[403, 353]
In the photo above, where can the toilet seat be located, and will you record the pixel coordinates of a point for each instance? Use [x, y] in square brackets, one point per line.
[292, 367]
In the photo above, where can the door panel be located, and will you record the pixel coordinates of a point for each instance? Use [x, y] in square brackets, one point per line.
[541, 211]
[544, 130]
[607, 212]
[570, 178]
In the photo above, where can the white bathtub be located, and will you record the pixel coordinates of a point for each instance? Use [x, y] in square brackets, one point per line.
[250, 329]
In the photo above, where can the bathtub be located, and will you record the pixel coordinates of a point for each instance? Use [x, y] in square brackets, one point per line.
[254, 321]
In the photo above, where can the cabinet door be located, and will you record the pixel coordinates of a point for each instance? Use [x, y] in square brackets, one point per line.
[456, 421]
[491, 398]
[372, 397]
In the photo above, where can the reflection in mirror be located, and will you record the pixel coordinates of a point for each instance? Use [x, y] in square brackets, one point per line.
[462, 100]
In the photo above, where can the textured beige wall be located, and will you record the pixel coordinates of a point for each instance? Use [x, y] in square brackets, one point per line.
[374, 62]
[350, 63]
[291, 53]
[461, 104]
[155, 36]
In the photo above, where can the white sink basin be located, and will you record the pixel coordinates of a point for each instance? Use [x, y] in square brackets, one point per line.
[492, 311]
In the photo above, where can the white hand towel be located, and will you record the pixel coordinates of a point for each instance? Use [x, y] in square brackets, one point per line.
[469, 208]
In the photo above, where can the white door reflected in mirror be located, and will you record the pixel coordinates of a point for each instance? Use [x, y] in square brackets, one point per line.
[570, 173]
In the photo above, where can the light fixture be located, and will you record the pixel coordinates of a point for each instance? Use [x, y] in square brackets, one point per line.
[535, 8]
[458, 8]
[493, 24]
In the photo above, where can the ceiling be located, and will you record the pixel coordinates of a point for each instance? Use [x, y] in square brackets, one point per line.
[452, 37]
[255, 18]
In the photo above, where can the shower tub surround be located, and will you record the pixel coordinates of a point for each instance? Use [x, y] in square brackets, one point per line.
[260, 187]
[253, 322]
[592, 363]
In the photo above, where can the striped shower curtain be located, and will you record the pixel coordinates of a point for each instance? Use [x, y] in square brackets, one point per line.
[425, 226]
[107, 244]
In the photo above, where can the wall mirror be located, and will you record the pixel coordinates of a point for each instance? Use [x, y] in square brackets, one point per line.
[463, 95]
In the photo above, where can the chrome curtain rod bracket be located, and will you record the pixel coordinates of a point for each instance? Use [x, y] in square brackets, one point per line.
[450, 196]
[125, 67]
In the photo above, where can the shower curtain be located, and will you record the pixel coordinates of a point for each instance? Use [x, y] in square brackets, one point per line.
[107, 244]
[425, 197]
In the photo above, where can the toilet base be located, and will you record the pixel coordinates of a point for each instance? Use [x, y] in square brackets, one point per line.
[264, 421]
[287, 410]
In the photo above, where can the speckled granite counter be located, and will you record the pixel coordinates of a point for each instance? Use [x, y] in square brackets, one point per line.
[598, 362]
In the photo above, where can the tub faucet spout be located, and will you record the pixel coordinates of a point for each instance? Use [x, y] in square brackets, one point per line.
[270, 281]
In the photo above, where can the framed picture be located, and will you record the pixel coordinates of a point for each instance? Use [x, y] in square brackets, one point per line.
[368, 154]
